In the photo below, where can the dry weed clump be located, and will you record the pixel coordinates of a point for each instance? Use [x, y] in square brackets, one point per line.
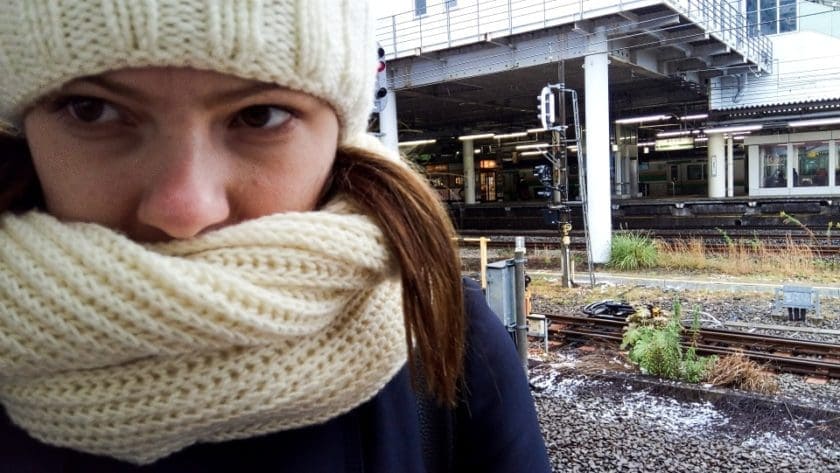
[739, 257]
[683, 254]
[737, 371]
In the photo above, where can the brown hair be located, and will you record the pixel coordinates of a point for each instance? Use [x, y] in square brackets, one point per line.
[422, 239]
[19, 187]
[412, 218]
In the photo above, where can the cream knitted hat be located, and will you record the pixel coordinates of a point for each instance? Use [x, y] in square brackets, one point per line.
[322, 47]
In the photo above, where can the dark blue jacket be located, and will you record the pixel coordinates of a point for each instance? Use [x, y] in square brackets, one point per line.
[494, 428]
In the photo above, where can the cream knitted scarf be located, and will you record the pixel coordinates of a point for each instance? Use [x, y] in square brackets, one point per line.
[137, 351]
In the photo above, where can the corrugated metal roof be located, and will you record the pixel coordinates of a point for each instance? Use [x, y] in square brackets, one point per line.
[777, 104]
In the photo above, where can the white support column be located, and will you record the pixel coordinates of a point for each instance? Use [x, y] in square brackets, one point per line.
[716, 167]
[597, 104]
[634, 176]
[618, 172]
[388, 122]
[469, 171]
[625, 174]
[730, 166]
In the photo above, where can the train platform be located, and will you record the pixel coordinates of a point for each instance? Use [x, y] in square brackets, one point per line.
[651, 213]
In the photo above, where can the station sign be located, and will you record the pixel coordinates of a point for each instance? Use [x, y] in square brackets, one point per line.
[674, 144]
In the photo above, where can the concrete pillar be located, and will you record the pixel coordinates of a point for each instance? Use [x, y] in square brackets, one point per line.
[598, 147]
[717, 166]
[633, 169]
[388, 122]
[469, 171]
[730, 167]
[618, 171]
[627, 138]
[625, 175]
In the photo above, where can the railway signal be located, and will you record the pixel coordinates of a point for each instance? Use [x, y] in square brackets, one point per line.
[380, 93]
[551, 101]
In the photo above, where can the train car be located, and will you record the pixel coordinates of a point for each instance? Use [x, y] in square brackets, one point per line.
[664, 177]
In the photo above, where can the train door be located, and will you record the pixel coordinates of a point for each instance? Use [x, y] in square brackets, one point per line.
[488, 180]
[674, 178]
[488, 186]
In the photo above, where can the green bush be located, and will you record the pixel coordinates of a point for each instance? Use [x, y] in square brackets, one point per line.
[632, 251]
[658, 350]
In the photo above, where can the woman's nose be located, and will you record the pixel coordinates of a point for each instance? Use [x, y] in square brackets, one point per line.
[186, 192]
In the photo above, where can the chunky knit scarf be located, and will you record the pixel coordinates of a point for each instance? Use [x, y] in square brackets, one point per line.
[137, 351]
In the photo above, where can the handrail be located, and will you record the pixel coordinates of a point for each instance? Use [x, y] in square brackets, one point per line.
[473, 21]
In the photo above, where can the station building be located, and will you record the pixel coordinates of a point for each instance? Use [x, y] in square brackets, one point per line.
[707, 98]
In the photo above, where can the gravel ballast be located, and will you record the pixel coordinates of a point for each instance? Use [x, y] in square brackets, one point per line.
[604, 423]
[595, 421]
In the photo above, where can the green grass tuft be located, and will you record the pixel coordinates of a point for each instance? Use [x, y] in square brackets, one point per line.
[633, 251]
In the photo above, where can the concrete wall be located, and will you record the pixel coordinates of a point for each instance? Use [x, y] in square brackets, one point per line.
[806, 68]
[819, 19]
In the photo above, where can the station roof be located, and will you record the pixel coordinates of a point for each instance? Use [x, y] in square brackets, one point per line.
[661, 57]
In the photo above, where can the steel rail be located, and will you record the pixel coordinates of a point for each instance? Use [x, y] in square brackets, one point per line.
[794, 356]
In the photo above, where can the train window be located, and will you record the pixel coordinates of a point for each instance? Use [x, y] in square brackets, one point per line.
[675, 172]
[837, 166]
[773, 165]
[811, 164]
[694, 172]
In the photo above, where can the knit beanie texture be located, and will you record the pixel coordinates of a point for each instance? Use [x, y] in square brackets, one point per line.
[322, 47]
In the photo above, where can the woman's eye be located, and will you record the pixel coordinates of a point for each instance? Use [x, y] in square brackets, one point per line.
[91, 110]
[262, 116]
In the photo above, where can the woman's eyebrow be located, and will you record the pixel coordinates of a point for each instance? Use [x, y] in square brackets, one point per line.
[238, 93]
[232, 94]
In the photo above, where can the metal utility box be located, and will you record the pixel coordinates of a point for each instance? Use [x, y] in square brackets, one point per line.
[797, 300]
[501, 291]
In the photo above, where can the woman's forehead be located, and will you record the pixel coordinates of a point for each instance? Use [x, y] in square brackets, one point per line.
[176, 86]
[161, 80]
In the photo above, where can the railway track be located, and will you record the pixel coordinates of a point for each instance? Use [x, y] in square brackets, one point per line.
[782, 354]
[713, 242]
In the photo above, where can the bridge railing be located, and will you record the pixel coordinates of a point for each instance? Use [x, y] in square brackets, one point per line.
[472, 21]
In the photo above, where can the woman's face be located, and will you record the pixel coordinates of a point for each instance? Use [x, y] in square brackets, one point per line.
[163, 153]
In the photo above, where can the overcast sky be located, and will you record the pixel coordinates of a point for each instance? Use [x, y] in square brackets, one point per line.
[386, 7]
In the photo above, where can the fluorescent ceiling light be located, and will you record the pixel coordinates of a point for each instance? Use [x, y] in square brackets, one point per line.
[536, 130]
[701, 138]
[649, 118]
[512, 135]
[534, 146]
[572, 148]
[476, 137]
[732, 129]
[699, 116]
[478, 151]
[646, 143]
[530, 153]
[815, 122]
[666, 134]
[416, 143]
